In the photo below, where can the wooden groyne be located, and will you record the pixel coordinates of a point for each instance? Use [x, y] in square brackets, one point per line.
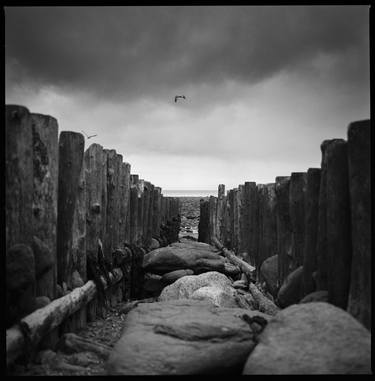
[77, 226]
[317, 223]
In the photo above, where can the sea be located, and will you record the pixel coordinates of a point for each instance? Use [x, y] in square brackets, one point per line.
[188, 193]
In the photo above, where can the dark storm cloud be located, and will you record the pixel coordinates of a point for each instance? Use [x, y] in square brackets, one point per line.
[128, 52]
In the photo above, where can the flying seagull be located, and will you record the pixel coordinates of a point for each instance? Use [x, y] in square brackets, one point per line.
[179, 96]
[88, 137]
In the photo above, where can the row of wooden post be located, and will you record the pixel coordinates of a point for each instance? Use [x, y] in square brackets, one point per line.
[319, 219]
[63, 203]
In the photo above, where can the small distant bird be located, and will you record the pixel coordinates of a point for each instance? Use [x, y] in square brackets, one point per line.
[179, 96]
[88, 137]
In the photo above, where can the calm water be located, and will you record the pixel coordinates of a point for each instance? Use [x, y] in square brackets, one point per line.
[189, 193]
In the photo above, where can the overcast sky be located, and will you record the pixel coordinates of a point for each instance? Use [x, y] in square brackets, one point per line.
[264, 86]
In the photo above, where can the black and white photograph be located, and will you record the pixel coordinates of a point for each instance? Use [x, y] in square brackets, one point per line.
[187, 190]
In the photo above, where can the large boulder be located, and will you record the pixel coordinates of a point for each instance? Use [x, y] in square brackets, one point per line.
[170, 258]
[269, 272]
[312, 338]
[169, 278]
[213, 287]
[183, 337]
[291, 291]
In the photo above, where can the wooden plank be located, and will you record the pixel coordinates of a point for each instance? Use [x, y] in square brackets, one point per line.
[141, 203]
[18, 176]
[126, 167]
[297, 189]
[251, 215]
[124, 199]
[267, 224]
[311, 229]
[203, 225]
[150, 216]
[220, 212]
[44, 320]
[133, 214]
[359, 159]
[283, 227]
[44, 217]
[146, 212]
[156, 212]
[321, 244]
[339, 245]
[71, 147]
[111, 240]
[211, 217]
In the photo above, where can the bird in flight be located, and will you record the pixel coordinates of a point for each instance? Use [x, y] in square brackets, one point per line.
[179, 96]
[88, 137]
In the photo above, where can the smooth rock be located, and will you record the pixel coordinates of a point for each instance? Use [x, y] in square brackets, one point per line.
[217, 296]
[270, 273]
[167, 259]
[184, 287]
[183, 337]
[169, 278]
[316, 296]
[291, 291]
[312, 338]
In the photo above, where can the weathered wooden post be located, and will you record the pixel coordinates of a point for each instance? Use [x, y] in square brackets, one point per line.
[150, 216]
[212, 221]
[321, 243]
[96, 179]
[339, 245]
[230, 198]
[78, 278]
[236, 219]
[359, 159]
[146, 211]
[297, 189]
[44, 217]
[156, 217]
[71, 146]
[140, 219]
[267, 223]
[283, 227]
[20, 264]
[242, 224]
[311, 229]
[124, 222]
[251, 217]
[220, 213]
[111, 239]
[203, 226]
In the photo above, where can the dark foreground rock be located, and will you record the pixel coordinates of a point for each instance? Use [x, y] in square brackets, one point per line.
[184, 337]
[312, 338]
[172, 276]
[270, 274]
[182, 256]
[291, 290]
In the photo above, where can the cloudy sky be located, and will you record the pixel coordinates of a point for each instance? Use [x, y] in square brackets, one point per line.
[264, 85]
